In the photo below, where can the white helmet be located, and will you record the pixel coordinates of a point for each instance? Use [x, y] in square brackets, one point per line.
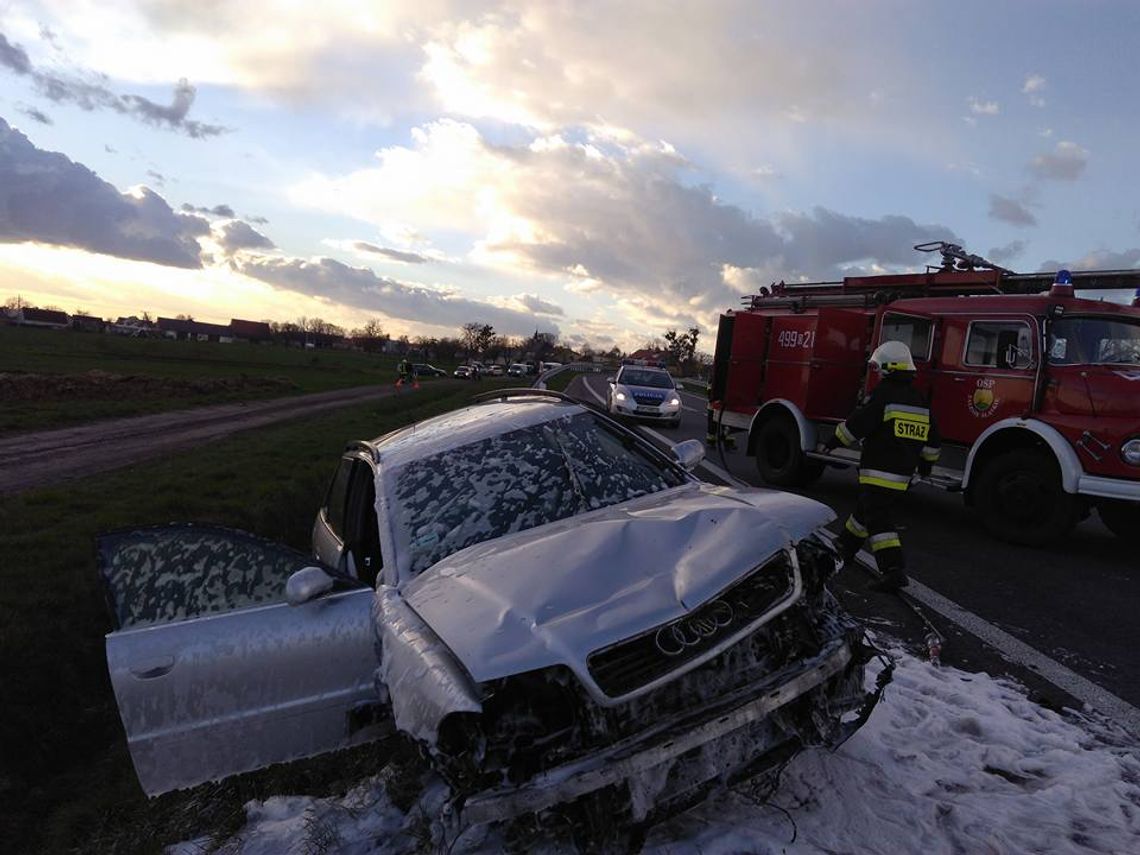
[892, 356]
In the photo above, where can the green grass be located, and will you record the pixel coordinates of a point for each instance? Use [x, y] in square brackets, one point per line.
[179, 374]
[66, 777]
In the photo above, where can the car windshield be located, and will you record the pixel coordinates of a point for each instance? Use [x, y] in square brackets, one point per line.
[641, 377]
[515, 481]
[1093, 340]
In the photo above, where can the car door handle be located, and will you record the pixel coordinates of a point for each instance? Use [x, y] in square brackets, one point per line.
[148, 669]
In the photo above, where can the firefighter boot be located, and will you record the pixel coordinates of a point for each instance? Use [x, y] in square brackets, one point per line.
[891, 567]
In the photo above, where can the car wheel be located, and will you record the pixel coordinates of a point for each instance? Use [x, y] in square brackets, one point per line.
[1021, 500]
[779, 457]
[1121, 518]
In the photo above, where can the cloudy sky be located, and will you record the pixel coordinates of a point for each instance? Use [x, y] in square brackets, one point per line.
[602, 170]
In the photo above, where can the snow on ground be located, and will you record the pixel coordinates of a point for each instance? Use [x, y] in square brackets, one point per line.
[950, 762]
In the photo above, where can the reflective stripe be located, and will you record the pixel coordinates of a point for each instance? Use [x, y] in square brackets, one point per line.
[898, 366]
[879, 478]
[931, 454]
[844, 435]
[855, 527]
[885, 540]
[904, 411]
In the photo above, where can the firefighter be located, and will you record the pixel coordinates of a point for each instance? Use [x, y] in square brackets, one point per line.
[899, 437]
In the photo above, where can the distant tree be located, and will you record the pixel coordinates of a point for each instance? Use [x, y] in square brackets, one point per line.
[14, 304]
[51, 307]
[682, 346]
[485, 339]
[146, 318]
[447, 349]
[371, 336]
[403, 345]
[184, 317]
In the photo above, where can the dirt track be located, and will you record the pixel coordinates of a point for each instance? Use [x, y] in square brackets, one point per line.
[48, 457]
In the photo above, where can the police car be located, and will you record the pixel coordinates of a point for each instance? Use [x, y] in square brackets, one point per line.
[643, 392]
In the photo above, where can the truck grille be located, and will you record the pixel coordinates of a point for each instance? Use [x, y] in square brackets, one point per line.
[630, 664]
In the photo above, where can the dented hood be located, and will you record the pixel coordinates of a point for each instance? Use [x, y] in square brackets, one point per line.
[554, 594]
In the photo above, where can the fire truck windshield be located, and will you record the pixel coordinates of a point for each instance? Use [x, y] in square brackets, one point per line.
[1094, 340]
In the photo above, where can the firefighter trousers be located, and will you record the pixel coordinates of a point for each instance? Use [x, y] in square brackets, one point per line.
[873, 521]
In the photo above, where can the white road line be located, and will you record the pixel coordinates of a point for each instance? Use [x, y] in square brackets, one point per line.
[1014, 649]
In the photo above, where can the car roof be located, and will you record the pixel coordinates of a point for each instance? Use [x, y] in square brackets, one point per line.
[652, 368]
[465, 426]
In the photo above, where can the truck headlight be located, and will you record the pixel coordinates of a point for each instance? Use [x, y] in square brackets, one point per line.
[1130, 451]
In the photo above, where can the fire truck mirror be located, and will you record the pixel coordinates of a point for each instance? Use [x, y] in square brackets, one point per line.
[689, 453]
[1008, 353]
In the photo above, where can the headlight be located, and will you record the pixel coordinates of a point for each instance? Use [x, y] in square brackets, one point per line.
[674, 401]
[619, 396]
[1130, 451]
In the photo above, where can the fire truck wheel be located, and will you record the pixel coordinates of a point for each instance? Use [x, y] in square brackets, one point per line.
[1121, 518]
[778, 455]
[1020, 498]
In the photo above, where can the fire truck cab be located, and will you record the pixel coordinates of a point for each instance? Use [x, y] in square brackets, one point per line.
[1035, 391]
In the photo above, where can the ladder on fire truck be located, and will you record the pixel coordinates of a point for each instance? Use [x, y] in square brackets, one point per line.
[959, 274]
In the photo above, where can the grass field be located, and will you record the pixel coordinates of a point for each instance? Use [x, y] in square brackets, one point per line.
[66, 782]
[135, 376]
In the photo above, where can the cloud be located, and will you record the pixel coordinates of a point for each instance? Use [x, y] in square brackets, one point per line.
[158, 177]
[983, 108]
[1010, 211]
[13, 57]
[217, 211]
[1065, 163]
[36, 115]
[1004, 254]
[392, 254]
[602, 216]
[539, 306]
[359, 287]
[47, 198]
[261, 221]
[1098, 259]
[236, 235]
[90, 96]
[1033, 86]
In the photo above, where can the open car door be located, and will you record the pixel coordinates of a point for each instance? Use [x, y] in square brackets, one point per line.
[213, 671]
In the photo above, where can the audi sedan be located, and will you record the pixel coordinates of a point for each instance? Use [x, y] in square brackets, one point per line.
[556, 611]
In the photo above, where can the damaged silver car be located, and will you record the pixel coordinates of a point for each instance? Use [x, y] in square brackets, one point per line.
[562, 615]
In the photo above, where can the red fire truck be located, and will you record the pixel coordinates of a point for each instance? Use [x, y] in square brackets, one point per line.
[1036, 392]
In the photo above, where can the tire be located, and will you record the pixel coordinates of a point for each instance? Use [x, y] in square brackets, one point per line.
[779, 458]
[1020, 498]
[1121, 518]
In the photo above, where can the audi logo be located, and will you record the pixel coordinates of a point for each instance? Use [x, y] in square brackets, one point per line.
[674, 639]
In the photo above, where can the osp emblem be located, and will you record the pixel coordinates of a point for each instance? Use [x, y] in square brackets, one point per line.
[675, 638]
[983, 402]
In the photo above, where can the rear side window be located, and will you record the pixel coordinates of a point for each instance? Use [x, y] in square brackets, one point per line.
[911, 330]
[999, 344]
[337, 496]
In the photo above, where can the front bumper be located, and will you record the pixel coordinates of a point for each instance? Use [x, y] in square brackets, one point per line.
[1109, 488]
[658, 746]
[656, 413]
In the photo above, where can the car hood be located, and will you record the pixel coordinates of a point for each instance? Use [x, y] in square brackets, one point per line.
[658, 392]
[554, 594]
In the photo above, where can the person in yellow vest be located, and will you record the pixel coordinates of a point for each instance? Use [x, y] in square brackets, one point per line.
[899, 438]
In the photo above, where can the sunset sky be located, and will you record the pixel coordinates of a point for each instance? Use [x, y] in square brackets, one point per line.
[600, 170]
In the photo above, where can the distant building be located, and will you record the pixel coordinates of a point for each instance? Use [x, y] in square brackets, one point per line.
[46, 318]
[255, 331]
[194, 330]
[87, 323]
[133, 326]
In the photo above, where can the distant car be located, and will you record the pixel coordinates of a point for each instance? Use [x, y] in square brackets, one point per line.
[547, 366]
[642, 392]
[560, 610]
[423, 369]
[467, 372]
[495, 370]
[517, 369]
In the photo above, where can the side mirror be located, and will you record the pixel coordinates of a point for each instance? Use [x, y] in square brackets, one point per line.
[689, 453]
[307, 584]
[611, 380]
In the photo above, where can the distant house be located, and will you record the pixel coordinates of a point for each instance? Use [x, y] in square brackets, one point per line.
[255, 331]
[649, 356]
[87, 323]
[46, 318]
[194, 330]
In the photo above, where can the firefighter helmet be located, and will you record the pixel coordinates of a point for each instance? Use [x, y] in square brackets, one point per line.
[892, 356]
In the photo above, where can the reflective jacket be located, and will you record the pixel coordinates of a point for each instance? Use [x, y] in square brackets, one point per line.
[897, 431]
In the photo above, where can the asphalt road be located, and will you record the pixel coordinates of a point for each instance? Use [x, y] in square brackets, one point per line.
[1076, 602]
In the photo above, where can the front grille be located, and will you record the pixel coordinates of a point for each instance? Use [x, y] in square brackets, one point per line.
[630, 664]
[648, 399]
